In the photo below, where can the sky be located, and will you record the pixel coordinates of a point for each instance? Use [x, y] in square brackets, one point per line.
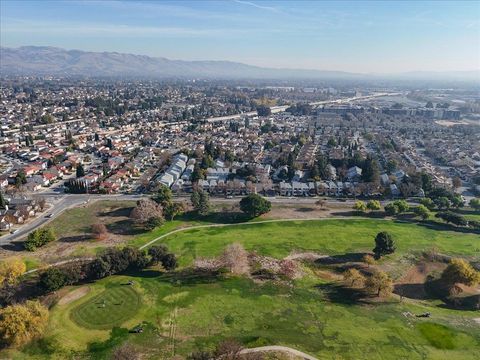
[356, 36]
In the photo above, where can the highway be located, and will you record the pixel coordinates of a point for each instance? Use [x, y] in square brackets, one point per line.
[279, 109]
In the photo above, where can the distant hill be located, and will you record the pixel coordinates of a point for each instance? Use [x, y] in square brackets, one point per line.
[41, 60]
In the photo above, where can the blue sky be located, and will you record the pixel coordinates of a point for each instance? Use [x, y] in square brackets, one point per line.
[360, 36]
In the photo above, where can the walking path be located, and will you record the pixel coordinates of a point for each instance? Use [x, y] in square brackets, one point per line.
[280, 349]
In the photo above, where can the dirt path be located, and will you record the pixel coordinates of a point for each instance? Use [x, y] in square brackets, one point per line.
[283, 349]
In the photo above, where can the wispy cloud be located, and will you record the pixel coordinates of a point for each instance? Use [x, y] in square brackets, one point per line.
[263, 7]
[22, 26]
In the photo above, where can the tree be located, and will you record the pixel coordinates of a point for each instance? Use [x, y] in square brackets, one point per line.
[99, 231]
[391, 209]
[354, 278]
[456, 182]
[374, 205]
[360, 206]
[52, 279]
[20, 179]
[380, 283]
[145, 210]
[422, 211]
[429, 105]
[402, 206]
[3, 203]
[475, 204]
[21, 323]
[235, 259]
[460, 271]
[263, 110]
[391, 166]
[201, 202]
[80, 172]
[169, 262]
[163, 195]
[428, 203]
[159, 255]
[370, 171]
[10, 270]
[442, 202]
[450, 217]
[384, 244]
[157, 252]
[174, 209]
[254, 205]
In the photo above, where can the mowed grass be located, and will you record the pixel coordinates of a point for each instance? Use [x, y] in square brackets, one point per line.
[309, 314]
[110, 308]
[204, 310]
[278, 239]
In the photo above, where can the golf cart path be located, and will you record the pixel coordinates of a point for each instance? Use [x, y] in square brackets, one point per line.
[284, 349]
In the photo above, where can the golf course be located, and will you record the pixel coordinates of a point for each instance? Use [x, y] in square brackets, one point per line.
[187, 310]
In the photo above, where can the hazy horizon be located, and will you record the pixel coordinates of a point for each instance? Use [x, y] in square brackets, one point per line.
[360, 37]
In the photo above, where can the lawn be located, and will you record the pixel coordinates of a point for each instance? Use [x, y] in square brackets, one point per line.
[278, 239]
[203, 311]
[182, 312]
[113, 306]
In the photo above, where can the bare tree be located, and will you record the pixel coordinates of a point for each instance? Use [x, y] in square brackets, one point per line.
[145, 210]
[125, 352]
[99, 231]
[235, 258]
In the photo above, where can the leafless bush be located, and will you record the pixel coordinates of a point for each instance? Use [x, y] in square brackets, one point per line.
[235, 258]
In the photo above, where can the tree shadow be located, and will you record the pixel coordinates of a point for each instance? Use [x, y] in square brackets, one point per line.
[74, 239]
[340, 294]
[119, 212]
[124, 227]
[305, 209]
[191, 277]
[340, 259]
[227, 217]
[14, 246]
[413, 291]
[434, 225]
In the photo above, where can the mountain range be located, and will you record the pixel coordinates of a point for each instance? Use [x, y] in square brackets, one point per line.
[46, 60]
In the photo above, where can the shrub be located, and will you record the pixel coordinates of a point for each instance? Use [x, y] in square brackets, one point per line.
[460, 271]
[360, 206]
[52, 279]
[38, 238]
[374, 205]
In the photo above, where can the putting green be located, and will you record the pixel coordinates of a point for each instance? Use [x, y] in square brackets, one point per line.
[112, 307]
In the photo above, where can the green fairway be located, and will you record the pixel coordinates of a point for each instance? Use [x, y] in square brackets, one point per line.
[278, 239]
[116, 304]
[186, 311]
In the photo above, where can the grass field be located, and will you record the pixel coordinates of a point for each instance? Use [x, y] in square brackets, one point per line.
[112, 307]
[278, 239]
[182, 312]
